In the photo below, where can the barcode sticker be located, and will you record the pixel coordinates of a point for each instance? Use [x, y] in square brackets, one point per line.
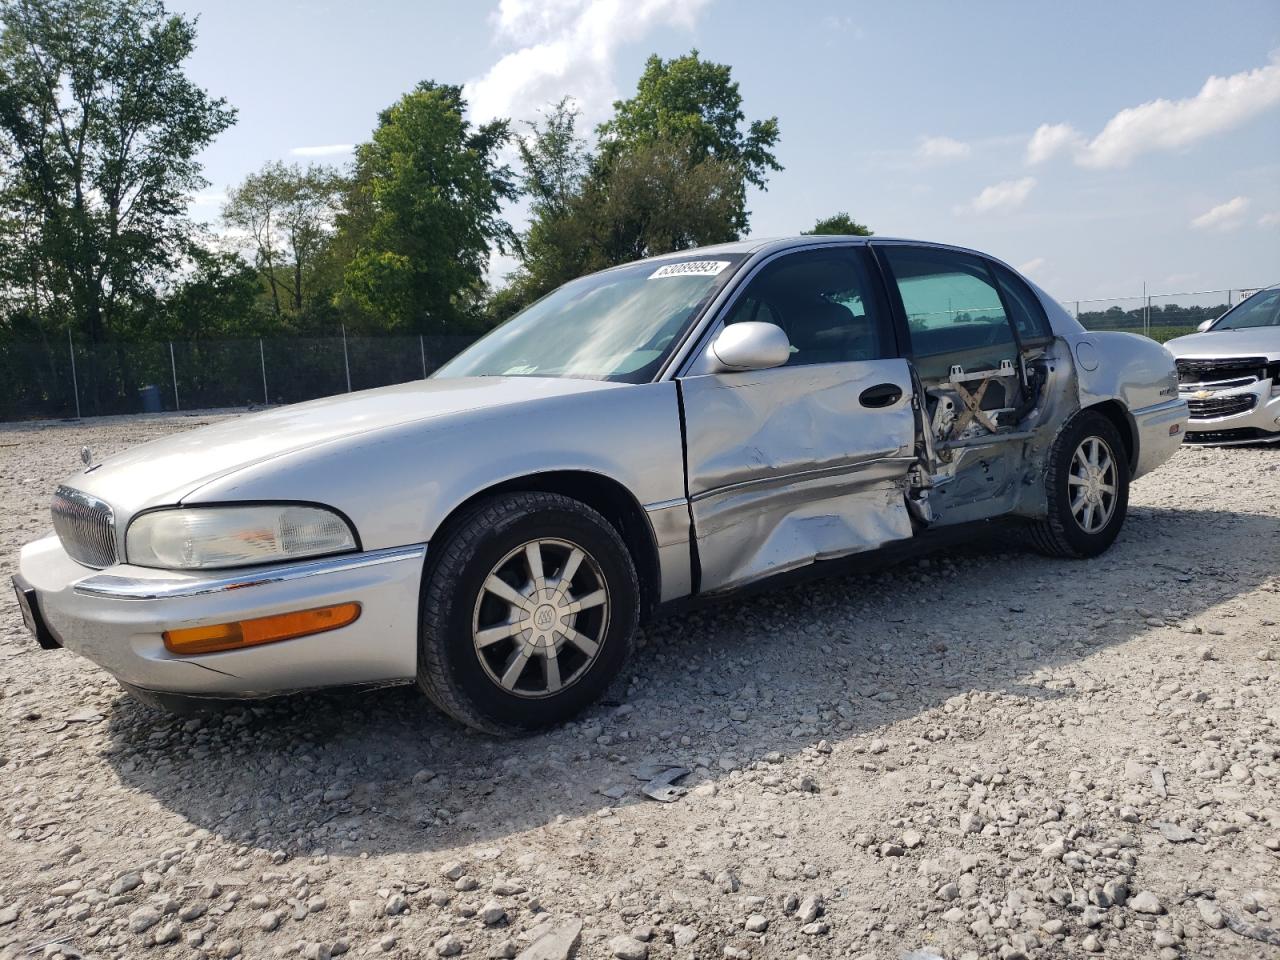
[690, 268]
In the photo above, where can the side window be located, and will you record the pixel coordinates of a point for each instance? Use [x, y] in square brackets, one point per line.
[1028, 313]
[954, 313]
[825, 302]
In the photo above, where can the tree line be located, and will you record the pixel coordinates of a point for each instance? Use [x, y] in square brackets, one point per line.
[100, 133]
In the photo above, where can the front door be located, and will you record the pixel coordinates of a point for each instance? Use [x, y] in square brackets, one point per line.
[805, 461]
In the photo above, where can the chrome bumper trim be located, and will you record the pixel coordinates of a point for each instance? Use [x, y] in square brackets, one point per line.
[1163, 406]
[138, 588]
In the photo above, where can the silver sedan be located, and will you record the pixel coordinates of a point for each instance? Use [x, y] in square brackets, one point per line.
[673, 428]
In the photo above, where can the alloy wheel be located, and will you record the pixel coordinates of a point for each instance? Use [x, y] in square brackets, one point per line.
[541, 617]
[1092, 484]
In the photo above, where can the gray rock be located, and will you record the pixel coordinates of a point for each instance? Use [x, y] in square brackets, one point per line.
[1117, 891]
[492, 913]
[66, 889]
[1210, 915]
[143, 919]
[757, 923]
[124, 883]
[810, 909]
[558, 944]
[628, 948]
[1146, 902]
[168, 932]
[1174, 833]
[448, 946]
[453, 870]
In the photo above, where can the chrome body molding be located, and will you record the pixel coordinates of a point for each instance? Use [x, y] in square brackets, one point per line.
[117, 587]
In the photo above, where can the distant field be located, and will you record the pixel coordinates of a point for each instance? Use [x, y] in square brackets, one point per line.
[1158, 334]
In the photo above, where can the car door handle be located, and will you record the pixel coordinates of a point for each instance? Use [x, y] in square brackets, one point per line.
[881, 395]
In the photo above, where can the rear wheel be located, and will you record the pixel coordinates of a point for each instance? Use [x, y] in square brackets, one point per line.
[1087, 484]
[528, 612]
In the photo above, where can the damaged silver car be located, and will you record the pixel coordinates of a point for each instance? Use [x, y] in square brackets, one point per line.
[673, 428]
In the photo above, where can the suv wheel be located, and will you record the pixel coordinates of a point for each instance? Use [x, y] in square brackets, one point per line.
[528, 612]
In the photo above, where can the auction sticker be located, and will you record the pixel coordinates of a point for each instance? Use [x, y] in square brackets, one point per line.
[690, 268]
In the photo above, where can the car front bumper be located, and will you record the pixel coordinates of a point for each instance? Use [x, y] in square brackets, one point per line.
[116, 618]
[1160, 431]
[1259, 423]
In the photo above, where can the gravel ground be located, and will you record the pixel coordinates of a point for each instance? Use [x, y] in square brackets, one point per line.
[981, 753]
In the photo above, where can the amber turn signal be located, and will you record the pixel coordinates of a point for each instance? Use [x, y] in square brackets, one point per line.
[250, 633]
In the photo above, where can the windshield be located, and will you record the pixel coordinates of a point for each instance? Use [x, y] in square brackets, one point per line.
[1260, 310]
[617, 325]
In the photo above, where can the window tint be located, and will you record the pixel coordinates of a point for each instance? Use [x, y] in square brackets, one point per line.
[826, 304]
[1028, 313]
[954, 313]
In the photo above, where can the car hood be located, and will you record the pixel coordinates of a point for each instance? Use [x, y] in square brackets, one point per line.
[167, 470]
[1215, 344]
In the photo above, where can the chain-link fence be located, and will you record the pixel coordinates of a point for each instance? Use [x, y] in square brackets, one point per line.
[67, 379]
[1159, 316]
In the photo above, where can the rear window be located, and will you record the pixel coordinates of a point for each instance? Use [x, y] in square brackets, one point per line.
[1025, 309]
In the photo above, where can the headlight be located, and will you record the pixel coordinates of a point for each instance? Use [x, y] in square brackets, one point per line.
[210, 537]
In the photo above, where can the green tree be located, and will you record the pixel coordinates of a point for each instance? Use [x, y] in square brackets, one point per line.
[423, 213]
[840, 224]
[555, 161]
[99, 132]
[216, 297]
[656, 198]
[696, 103]
[286, 214]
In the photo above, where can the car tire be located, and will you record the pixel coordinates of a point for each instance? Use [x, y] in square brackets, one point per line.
[1075, 527]
[504, 668]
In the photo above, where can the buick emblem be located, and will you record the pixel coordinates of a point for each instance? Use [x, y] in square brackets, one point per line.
[86, 456]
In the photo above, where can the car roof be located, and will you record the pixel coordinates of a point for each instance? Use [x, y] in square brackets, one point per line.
[765, 245]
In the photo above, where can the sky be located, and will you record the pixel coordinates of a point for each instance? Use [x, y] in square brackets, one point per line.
[1097, 146]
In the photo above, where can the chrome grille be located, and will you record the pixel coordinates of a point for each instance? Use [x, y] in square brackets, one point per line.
[1212, 407]
[86, 526]
[1244, 369]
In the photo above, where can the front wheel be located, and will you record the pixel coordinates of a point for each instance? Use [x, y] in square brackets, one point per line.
[528, 612]
[1087, 484]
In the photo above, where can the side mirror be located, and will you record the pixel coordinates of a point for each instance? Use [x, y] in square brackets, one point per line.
[1204, 325]
[750, 345]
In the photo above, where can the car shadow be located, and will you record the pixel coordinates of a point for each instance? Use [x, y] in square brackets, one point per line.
[717, 689]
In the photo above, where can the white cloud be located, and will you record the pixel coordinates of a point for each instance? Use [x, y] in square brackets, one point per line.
[1269, 220]
[567, 47]
[1050, 139]
[208, 198]
[941, 148]
[1032, 267]
[324, 150]
[1222, 103]
[1002, 197]
[1225, 216]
